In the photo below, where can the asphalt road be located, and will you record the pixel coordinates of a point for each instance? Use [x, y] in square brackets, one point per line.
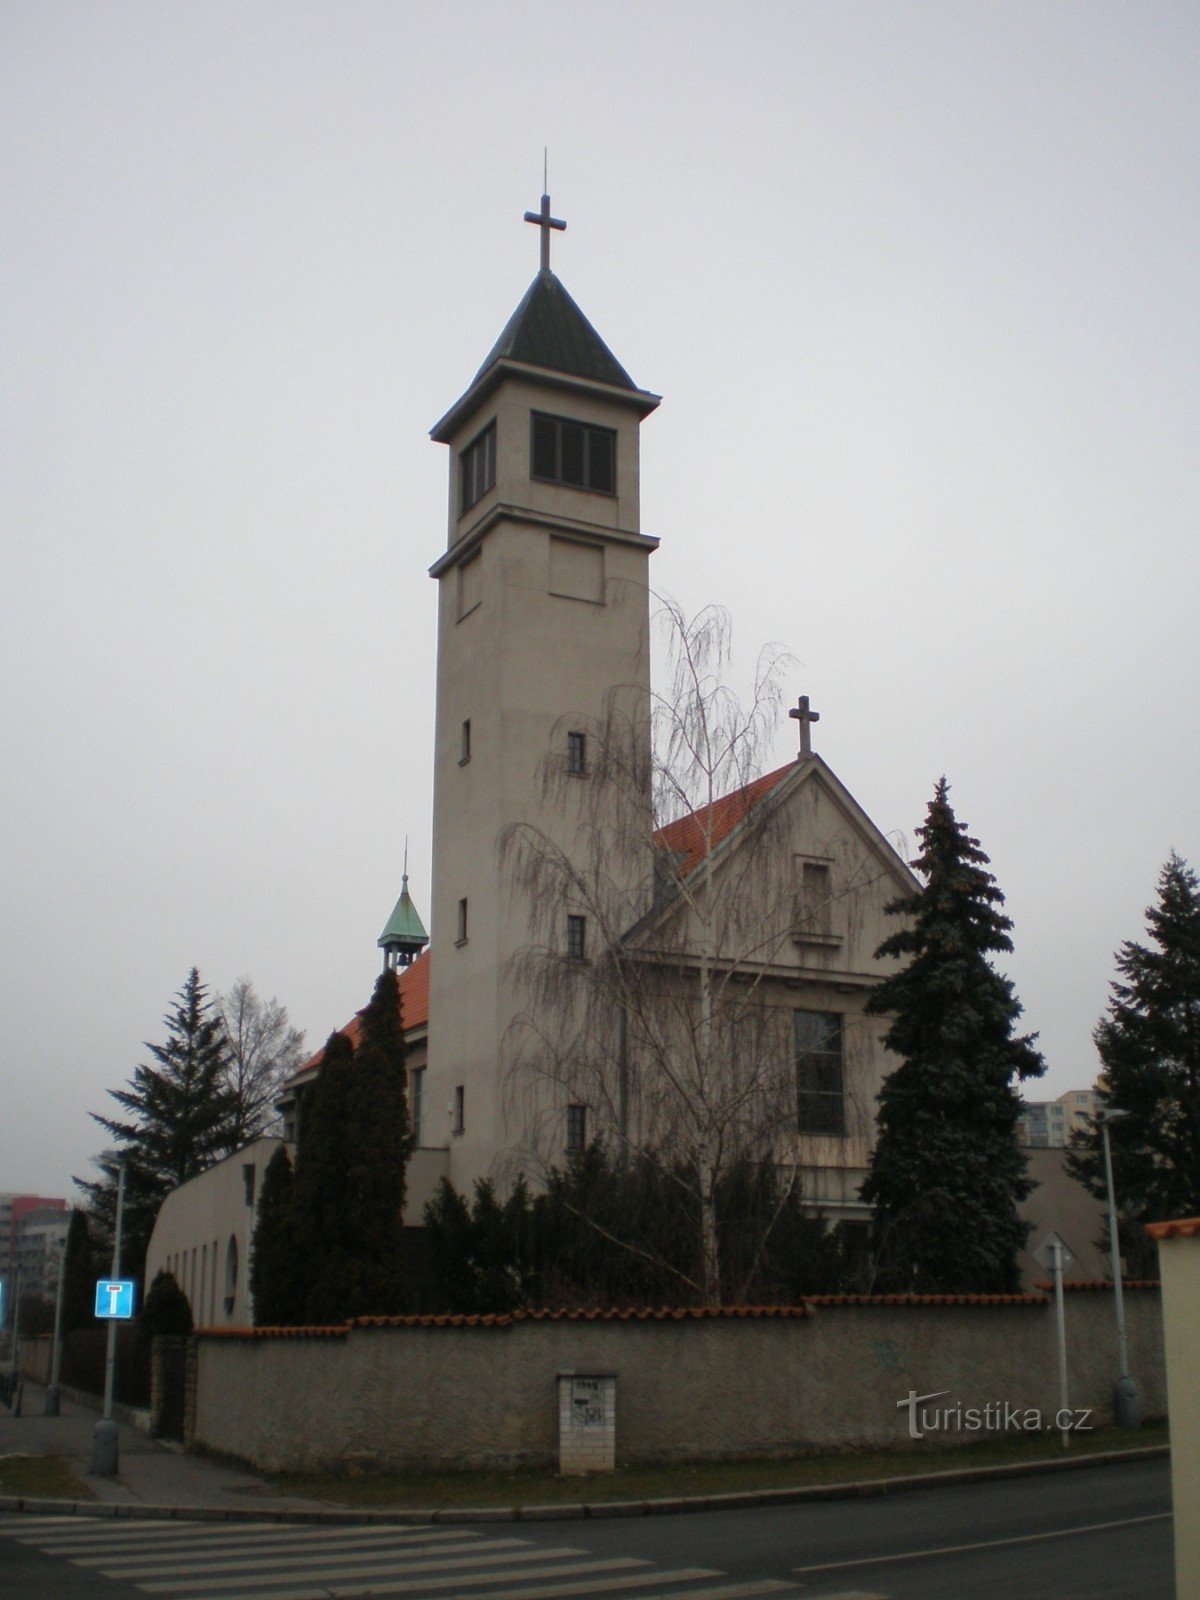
[1093, 1534]
[1101, 1533]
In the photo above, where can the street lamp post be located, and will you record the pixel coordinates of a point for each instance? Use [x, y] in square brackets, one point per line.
[1127, 1402]
[53, 1391]
[105, 1448]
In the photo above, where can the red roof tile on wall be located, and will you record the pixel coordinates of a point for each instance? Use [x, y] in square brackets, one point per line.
[927, 1300]
[1183, 1228]
[507, 1319]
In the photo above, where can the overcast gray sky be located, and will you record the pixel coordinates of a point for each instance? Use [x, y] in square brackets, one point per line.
[917, 282]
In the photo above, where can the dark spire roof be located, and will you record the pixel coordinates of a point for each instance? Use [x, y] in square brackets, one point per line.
[549, 330]
[404, 927]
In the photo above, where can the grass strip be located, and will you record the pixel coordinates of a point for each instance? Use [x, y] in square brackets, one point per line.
[416, 1489]
[41, 1478]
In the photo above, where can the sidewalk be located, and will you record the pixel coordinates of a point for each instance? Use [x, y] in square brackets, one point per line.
[149, 1473]
[162, 1481]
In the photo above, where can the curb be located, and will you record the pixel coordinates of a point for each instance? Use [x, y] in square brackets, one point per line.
[868, 1488]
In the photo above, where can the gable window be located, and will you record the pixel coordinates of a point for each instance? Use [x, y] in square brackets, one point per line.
[815, 921]
[417, 1099]
[577, 753]
[460, 936]
[573, 453]
[576, 938]
[820, 1074]
[576, 1128]
[460, 1109]
[477, 469]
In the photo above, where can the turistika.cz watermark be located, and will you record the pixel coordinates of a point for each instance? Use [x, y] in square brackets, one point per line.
[997, 1416]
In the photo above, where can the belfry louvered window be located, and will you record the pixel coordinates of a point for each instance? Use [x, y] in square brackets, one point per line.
[477, 466]
[573, 453]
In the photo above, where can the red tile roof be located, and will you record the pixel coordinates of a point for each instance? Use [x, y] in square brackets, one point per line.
[692, 837]
[1184, 1228]
[414, 1008]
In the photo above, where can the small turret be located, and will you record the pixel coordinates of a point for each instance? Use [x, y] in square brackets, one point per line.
[404, 937]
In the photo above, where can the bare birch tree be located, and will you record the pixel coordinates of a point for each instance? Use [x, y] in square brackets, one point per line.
[663, 1012]
[264, 1051]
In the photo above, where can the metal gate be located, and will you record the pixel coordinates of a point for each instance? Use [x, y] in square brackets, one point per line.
[172, 1375]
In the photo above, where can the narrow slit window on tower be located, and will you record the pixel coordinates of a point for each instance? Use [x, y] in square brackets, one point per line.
[460, 936]
[460, 1109]
[577, 752]
[576, 937]
[576, 1129]
[576, 454]
[477, 468]
[417, 1101]
[464, 754]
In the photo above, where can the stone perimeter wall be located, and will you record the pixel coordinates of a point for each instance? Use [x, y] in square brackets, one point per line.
[700, 1387]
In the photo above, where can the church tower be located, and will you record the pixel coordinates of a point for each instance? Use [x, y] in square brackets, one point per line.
[543, 613]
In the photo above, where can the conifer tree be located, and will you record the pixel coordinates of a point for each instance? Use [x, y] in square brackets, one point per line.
[180, 1120]
[166, 1310]
[351, 1166]
[1149, 1043]
[80, 1271]
[947, 1173]
[279, 1268]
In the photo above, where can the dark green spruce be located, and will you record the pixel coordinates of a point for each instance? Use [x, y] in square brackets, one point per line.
[279, 1265]
[947, 1174]
[179, 1120]
[1149, 1044]
[351, 1165]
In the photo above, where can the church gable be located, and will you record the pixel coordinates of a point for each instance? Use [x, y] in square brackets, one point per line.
[787, 874]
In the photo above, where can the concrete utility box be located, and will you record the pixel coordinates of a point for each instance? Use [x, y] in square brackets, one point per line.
[587, 1422]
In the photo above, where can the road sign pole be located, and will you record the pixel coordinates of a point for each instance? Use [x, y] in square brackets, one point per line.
[105, 1451]
[52, 1393]
[1056, 1257]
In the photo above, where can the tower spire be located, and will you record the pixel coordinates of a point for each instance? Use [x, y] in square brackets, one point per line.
[543, 220]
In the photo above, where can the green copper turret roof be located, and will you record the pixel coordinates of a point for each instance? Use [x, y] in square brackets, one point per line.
[549, 330]
[404, 926]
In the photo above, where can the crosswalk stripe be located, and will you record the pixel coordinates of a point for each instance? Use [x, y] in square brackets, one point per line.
[367, 1569]
[428, 1586]
[190, 1536]
[296, 1561]
[312, 1559]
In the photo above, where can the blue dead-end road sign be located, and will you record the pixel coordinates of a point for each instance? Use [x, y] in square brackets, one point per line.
[114, 1297]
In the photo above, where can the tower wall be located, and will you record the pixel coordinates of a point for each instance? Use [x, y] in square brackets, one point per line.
[543, 622]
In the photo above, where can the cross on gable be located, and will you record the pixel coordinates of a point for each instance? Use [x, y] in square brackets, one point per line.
[543, 220]
[805, 716]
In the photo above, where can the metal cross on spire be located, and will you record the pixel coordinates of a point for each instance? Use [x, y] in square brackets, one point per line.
[804, 716]
[545, 222]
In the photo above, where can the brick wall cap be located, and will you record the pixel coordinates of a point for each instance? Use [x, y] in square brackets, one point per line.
[1181, 1228]
[909, 1300]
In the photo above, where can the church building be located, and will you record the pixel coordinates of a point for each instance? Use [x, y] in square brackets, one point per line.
[595, 971]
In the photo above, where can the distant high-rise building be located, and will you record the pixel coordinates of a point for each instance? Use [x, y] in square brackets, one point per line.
[1053, 1124]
